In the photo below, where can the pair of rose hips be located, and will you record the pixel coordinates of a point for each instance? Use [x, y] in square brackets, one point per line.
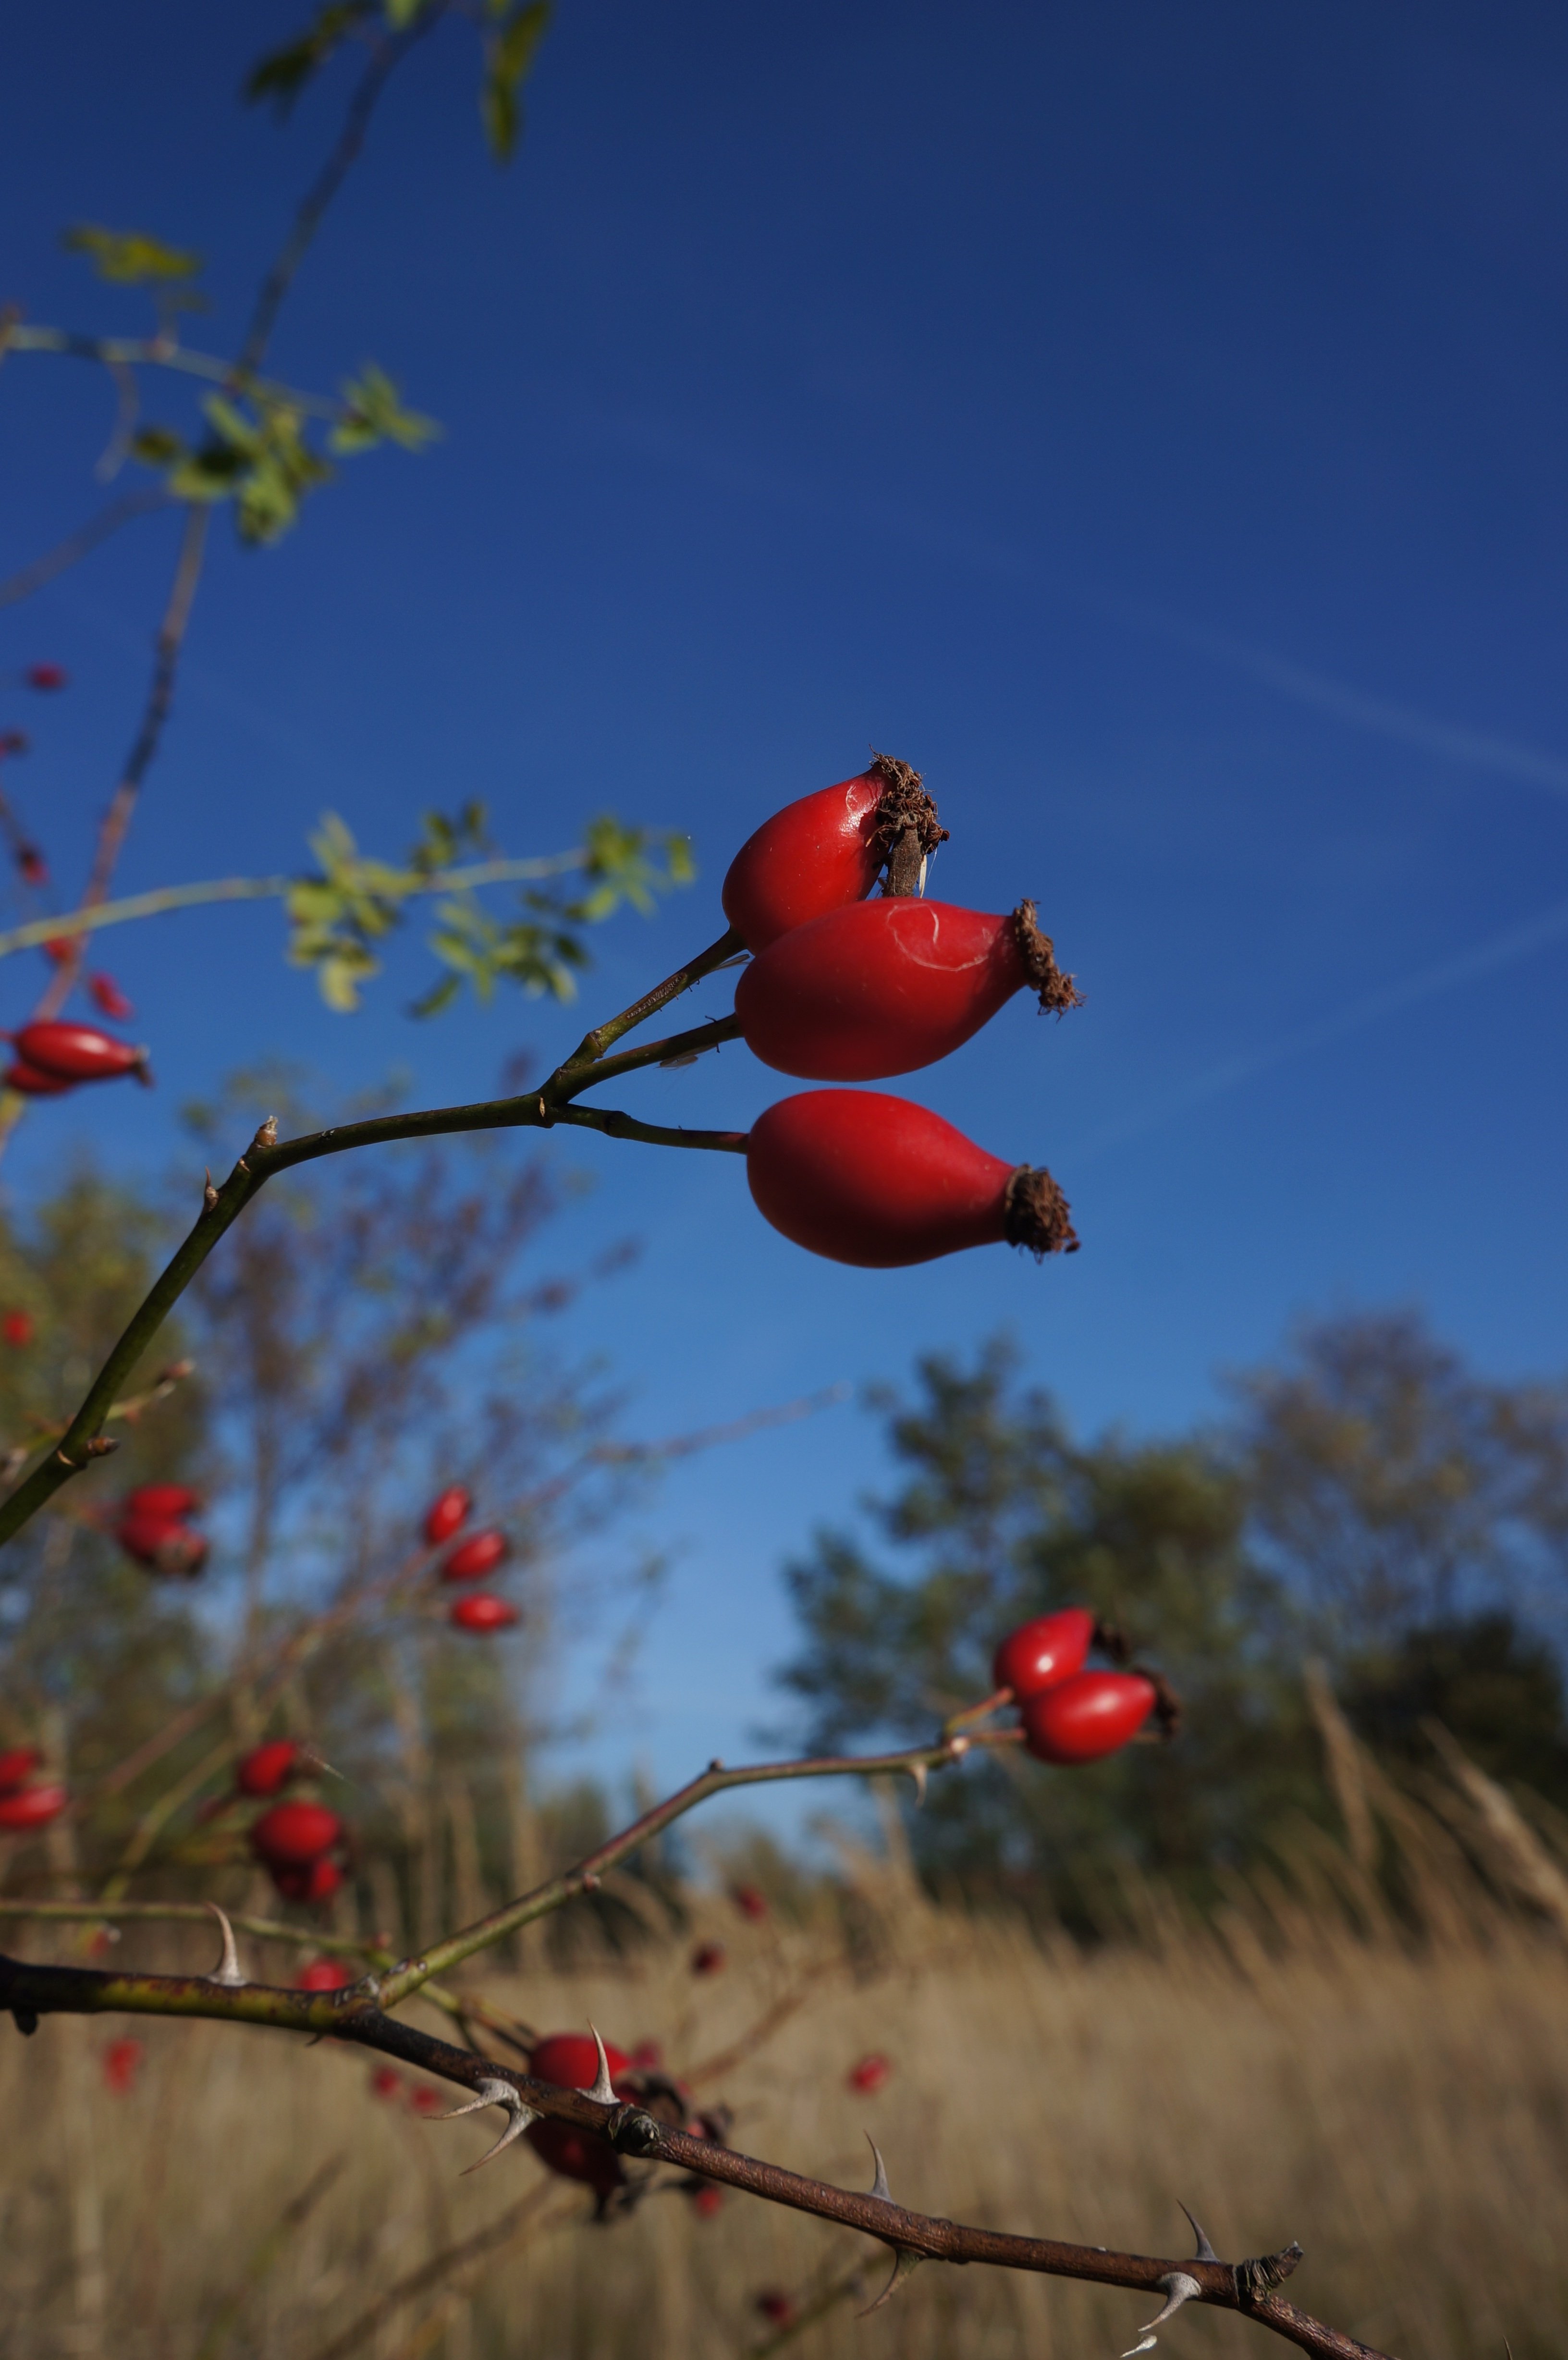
[470, 1560]
[1070, 1715]
[154, 1530]
[844, 988]
[24, 1808]
[53, 1057]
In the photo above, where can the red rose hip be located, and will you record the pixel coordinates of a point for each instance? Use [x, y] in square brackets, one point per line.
[447, 1514]
[326, 1974]
[292, 1835]
[876, 1182]
[267, 1769]
[166, 1503]
[79, 1053]
[886, 986]
[29, 1083]
[16, 1764]
[312, 1880]
[829, 849]
[1087, 1716]
[32, 1807]
[480, 1554]
[1039, 1653]
[483, 1612]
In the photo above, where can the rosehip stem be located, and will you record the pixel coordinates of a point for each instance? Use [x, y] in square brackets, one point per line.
[992, 1703]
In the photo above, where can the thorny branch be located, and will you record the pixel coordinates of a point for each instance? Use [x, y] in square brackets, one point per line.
[358, 2015]
[267, 1155]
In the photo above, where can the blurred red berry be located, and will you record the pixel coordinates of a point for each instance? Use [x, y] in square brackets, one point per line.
[17, 1327]
[267, 1769]
[776, 2305]
[326, 1974]
[61, 948]
[122, 2063]
[101, 1941]
[868, 2076]
[80, 1053]
[30, 1808]
[16, 1765]
[163, 1543]
[750, 1902]
[32, 1083]
[165, 1502]
[481, 1611]
[315, 1883]
[385, 2083]
[32, 864]
[291, 1835]
[471, 1559]
[108, 998]
[647, 2057]
[707, 1958]
[707, 2199]
[12, 741]
[46, 675]
[447, 1514]
[423, 2100]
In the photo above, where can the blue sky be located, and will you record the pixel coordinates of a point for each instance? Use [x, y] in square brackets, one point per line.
[1147, 422]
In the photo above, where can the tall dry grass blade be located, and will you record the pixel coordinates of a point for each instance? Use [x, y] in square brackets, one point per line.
[1342, 1754]
[1524, 1860]
[266, 2254]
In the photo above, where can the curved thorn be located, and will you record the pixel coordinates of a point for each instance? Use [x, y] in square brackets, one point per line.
[879, 2185]
[492, 2093]
[604, 2088]
[1179, 2288]
[227, 1971]
[906, 2263]
[1206, 2251]
[918, 1773]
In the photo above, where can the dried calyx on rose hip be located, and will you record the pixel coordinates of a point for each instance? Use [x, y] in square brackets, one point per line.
[879, 1183]
[886, 986]
[830, 848]
[79, 1053]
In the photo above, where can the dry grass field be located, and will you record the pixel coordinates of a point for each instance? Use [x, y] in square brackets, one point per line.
[1396, 2100]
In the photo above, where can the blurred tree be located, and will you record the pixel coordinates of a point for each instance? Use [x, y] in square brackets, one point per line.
[1392, 1488]
[1005, 1517]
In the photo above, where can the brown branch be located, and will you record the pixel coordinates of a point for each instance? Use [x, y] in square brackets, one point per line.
[81, 544]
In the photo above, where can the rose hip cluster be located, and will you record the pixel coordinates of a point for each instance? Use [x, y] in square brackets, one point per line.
[300, 1843]
[1071, 1715]
[475, 1556]
[844, 988]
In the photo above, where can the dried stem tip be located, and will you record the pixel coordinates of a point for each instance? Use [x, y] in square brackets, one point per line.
[1058, 992]
[1035, 1214]
[907, 829]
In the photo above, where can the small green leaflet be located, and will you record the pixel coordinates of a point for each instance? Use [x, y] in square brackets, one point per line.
[129, 256]
[508, 62]
[373, 413]
[282, 74]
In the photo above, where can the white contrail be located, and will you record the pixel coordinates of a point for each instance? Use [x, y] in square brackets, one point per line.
[1530, 934]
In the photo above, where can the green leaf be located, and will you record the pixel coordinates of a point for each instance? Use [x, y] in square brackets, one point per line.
[282, 74]
[510, 59]
[373, 414]
[401, 13]
[129, 256]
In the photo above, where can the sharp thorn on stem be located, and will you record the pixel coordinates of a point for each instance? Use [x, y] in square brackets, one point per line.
[603, 2090]
[1206, 2251]
[227, 1971]
[492, 2093]
[879, 2185]
[266, 1134]
[1179, 2288]
[918, 1773]
[905, 2264]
